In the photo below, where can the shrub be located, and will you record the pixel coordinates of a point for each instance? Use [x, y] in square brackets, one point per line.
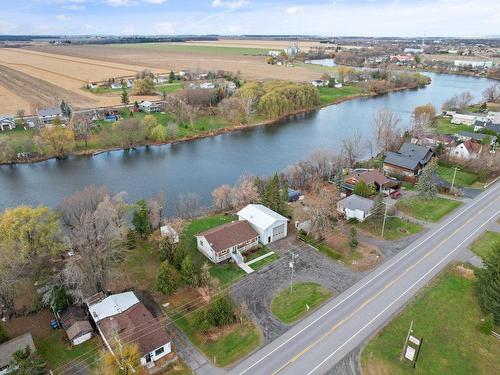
[167, 279]
[362, 189]
[159, 133]
[3, 334]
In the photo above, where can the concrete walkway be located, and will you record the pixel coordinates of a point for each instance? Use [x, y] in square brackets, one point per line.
[260, 258]
[245, 267]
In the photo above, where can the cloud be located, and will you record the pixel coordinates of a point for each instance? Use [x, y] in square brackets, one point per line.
[229, 4]
[63, 17]
[293, 10]
[159, 2]
[121, 3]
[164, 28]
[74, 7]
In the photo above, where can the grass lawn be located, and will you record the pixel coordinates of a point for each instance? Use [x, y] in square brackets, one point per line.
[169, 88]
[408, 185]
[330, 94]
[427, 209]
[444, 126]
[228, 346]
[452, 343]
[193, 48]
[55, 351]
[461, 179]
[291, 306]
[395, 228]
[264, 262]
[321, 247]
[486, 244]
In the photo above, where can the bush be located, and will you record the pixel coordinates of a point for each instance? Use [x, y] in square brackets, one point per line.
[362, 189]
[220, 313]
[3, 334]
[60, 299]
[167, 279]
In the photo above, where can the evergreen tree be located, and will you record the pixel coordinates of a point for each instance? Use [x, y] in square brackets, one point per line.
[362, 189]
[124, 95]
[189, 271]
[65, 109]
[425, 185]
[272, 197]
[167, 279]
[378, 209]
[26, 362]
[171, 76]
[353, 238]
[489, 286]
[140, 219]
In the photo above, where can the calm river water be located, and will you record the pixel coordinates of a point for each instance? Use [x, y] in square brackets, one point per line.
[201, 165]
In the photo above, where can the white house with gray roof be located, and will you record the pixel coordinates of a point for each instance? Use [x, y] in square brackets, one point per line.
[48, 115]
[355, 207]
[7, 123]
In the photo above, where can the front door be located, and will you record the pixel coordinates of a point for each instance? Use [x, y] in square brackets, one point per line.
[148, 357]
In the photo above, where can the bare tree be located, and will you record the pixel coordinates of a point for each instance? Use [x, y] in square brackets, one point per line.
[245, 192]
[96, 226]
[458, 102]
[155, 209]
[82, 127]
[322, 211]
[388, 133]
[492, 94]
[187, 205]
[11, 270]
[222, 198]
[351, 149]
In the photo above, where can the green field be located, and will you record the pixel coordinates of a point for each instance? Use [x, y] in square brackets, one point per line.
[55, 351]
[227, 348]
[169, 88]
[331, 94]
[427, 209]
[447, 316]
[461, 179]
[444, 126]
[395, 228]
[290, 306]
[486, 244]
[192, 48]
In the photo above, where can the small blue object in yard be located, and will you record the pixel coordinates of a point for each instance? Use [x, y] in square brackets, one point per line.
[54, 324]
[111, 118]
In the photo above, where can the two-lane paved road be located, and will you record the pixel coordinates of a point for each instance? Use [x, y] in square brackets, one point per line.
[317, 343]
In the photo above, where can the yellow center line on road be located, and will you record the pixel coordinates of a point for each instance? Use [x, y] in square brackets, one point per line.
[366, 302]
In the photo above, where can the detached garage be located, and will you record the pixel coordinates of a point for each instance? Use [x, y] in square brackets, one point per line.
[269, 225]
[355, 207]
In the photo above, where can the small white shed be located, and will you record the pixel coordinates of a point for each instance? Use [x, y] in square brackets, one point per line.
[168, 232]
[269, 225]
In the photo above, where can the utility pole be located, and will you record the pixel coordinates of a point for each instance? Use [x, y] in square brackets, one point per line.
[453, 180]
[292, 266]
[385, 216]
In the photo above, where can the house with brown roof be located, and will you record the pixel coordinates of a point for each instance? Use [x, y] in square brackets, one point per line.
[122, 318]
[373, 178]
[76, 324]
[228, 240]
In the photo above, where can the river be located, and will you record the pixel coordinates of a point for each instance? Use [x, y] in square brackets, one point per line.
[201, 165]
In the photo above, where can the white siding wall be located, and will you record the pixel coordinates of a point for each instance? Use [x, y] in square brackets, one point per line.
[167, 348]
[82, 339]
[357, 214]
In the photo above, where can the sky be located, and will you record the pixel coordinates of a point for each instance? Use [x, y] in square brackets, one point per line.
[405, 18]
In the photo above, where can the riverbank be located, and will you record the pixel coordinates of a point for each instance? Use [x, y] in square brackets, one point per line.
[222, 130]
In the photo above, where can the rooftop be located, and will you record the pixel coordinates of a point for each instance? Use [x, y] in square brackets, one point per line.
[10, 347]
[355, 202]
[227, 235]
[260, 215]
[112, 305]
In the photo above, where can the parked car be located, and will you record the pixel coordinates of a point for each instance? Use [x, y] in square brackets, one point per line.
[396, 194]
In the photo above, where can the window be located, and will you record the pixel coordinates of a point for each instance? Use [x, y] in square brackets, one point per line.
[201, 243]
[159, 351]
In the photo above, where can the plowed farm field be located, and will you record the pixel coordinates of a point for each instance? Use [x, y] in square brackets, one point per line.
[38, 79]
